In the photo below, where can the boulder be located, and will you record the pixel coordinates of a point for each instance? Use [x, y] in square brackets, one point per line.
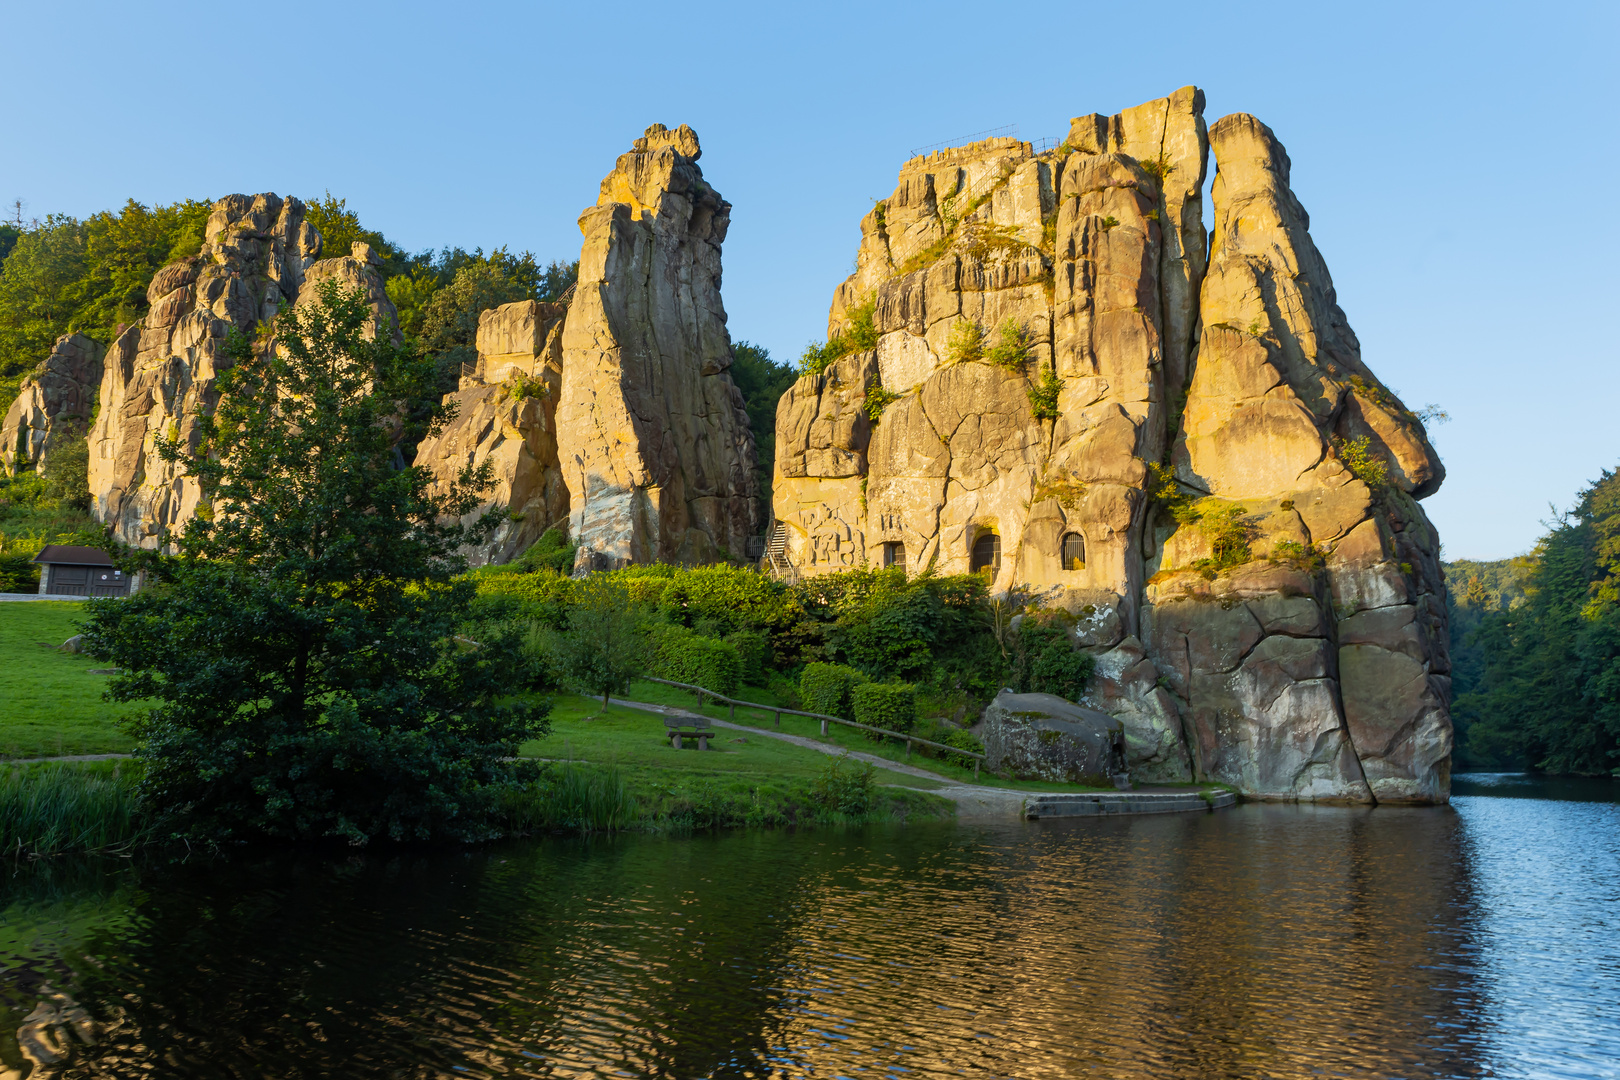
[1044, 737]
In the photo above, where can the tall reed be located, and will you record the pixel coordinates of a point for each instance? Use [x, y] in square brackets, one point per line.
[581, 798]
[52, 808]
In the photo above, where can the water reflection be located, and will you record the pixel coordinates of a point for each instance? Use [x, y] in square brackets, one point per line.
[1264, 941]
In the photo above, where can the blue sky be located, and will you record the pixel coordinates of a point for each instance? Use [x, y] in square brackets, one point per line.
[1455, 158]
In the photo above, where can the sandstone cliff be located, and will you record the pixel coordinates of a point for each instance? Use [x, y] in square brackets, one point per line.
[613, 416]
[656, 450]
[258, 253]
[55, 402]
[1088, 388]
[506, 415]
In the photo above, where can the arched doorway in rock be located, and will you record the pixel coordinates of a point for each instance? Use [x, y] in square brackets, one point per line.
[894, 555]
[986, 555]
[1074, 551]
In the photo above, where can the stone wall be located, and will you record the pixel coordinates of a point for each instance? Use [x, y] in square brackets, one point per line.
[1315, 670]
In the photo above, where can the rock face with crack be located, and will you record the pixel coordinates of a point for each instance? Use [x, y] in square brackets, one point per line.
[1172, 435]
[53, 404]
[506, 415]
[258, 253]
[656, 451]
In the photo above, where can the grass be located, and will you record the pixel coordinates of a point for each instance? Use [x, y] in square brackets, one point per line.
[50, 703]
[837, 735]
[616, 769]
[53, 808]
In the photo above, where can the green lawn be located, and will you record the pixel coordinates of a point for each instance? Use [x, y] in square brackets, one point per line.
[636, 741]
[50, 703]
[837, 735]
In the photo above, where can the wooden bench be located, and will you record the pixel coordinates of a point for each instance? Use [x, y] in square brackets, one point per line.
[696, 726]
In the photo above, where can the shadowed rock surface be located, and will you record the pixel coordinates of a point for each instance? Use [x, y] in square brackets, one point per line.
[1315, 667]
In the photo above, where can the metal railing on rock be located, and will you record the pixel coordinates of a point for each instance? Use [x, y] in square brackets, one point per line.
[778, 710]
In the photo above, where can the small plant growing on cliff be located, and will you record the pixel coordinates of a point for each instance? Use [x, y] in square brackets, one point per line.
[1110, 222]
[1159, 168]
[860, 336]
[1363, 462]
[1299, 555]
[1011, 350]
[877, 399]
[1228, 535]
[965, 343]
[1068, 492]
[522, 388]
[1043, 396]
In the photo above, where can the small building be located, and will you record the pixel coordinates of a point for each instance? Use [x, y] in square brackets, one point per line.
[68, 570]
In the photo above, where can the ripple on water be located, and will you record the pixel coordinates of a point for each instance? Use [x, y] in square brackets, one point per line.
[1266, 941]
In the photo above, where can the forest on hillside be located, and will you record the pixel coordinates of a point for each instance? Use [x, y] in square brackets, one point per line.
[1536, 647]
[60, 274]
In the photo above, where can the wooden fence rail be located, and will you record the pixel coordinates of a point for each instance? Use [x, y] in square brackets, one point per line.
[778, 710]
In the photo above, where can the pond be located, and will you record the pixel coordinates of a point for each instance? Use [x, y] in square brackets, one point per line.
[1480, 939]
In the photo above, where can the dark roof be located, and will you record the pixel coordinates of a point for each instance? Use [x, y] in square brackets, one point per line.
[69, 555]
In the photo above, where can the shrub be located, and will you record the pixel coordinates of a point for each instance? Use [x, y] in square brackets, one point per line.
[877, 399]
[18, 574]
[754, 652]
[551, 552]
[1363, 462]
[940, 731]
[1011, 349]
[1046, 660]
[966, 342]
[861, 335]
[688, 657]
[843, 788]
[1043, 396]
[603, 648]
[890, 706]
[1228, 536]
[826, 689]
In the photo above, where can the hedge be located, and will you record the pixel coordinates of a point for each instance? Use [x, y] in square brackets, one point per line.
[692, 658]
[755, 650]
[825, 688]
[891, 706]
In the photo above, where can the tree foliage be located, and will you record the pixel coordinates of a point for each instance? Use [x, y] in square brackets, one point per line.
[1537, 681]
[64, 275]
[603, 646]
[762, 381]
[303, 643]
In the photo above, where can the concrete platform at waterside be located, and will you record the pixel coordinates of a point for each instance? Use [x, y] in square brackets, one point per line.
[1101, 803]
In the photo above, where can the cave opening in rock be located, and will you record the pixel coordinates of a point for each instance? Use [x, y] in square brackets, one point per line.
[894, 555]
[1074, 551]
[986, 557]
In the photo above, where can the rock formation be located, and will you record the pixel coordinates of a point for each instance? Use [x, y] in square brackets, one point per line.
[614, 416]
[1186, 452]
[506, 415]
[258, 253]
[655, 445]
[55, 402]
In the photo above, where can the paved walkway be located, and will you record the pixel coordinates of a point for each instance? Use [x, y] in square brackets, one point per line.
[4, 596]
[70, 757]
[974, 801]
